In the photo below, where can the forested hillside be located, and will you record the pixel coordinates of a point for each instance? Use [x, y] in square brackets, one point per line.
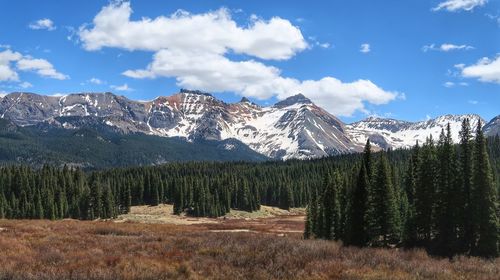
[96, 146]
[427, 196]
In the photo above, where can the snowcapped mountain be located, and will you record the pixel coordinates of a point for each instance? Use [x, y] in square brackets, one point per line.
[292, 128]
[493, 127]
[390, 133]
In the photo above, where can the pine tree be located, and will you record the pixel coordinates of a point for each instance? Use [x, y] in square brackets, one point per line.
[465, 187]
[485, 201]
[446, 202]
[330, 208]
[357, 234]
[425, 192]
[383, 219]
[410, 234]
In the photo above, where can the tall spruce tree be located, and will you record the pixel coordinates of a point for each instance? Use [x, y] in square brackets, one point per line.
[382, 219]
[410, 234]
[357, 234]
[465, 187]
[446, 203]
[425, 192]
[485, 201]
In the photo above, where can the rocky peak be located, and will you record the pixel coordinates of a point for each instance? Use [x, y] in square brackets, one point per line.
[198, 92]
[292, 100]
[245, 100]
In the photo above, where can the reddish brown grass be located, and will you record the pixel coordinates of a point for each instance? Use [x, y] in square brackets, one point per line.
[106, 250]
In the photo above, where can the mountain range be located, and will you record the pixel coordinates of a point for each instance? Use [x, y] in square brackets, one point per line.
[292, 128]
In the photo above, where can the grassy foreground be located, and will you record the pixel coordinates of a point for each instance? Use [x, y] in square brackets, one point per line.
[106, 250]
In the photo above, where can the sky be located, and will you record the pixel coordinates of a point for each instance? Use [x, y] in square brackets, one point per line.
[403, 59]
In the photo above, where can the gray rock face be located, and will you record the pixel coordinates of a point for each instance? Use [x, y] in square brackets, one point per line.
[492, 128]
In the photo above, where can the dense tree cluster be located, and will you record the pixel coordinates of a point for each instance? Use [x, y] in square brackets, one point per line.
[446, 200]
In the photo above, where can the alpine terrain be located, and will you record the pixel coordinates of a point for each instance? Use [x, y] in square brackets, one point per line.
[292, 128]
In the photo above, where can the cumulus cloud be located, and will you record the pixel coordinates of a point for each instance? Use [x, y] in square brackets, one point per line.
[485, 70]
[254, 79]
[123, 87]
[8, 71]
[365, 48]
[41, 66]
[457, 5]
[213, 32]
[446, 47]
[44, 23]
[193, 48]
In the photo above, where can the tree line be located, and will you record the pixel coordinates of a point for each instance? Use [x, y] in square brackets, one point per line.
[445, 200]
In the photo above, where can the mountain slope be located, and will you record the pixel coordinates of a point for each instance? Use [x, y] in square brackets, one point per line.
[492, 128]
[390, 133]
[292, 128]
[95, 145]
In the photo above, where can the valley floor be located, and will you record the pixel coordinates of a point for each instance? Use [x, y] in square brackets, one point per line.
[149, 244]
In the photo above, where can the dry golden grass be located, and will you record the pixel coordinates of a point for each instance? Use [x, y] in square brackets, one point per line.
[106, 250]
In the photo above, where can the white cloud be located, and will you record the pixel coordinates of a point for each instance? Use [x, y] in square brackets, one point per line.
[457, 5]
[254, 79]
[6, 71]
[446, 47]
[123, 87]
[41, 66]
[449, 84]
[453, 84]
[213, 32]
[365, 48]
[473, 102]
[192, 48]
[324, 45]
[25, 85]
[3, 94]
[9, 72]
[485, 70]
[96, 81]
[44, 23]
[451, 47]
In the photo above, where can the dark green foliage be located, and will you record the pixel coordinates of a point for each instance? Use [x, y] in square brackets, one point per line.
[382, 216]
[94, 148]
[485, 204]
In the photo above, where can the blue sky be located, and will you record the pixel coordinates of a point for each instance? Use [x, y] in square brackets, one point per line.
[408, 60]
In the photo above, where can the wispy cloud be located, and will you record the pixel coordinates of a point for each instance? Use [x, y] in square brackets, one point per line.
[123, 87]
[96, 81]
[446, 47]
[365, 48]
[25, 85]
[45, 23]
[458, 5]
[449, 84]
